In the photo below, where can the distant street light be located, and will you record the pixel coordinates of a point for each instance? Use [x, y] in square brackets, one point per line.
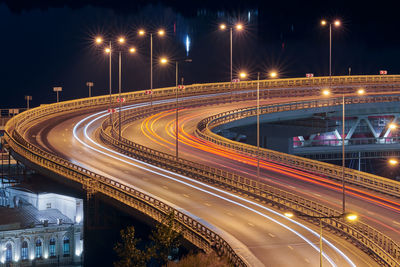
[351, 217]
[28, 98]
[336, 23]
[57, 89]
[164, 61]
[90, 85]
[161, 33]
[273, 74]
[393, 162]
[243, 75]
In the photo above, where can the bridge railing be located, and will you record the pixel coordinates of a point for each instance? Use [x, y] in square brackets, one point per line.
[370, 181]
[275, 88]
[192, 229]
[382, 247]
[348, 142]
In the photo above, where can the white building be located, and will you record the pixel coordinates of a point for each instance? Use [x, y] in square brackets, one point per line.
[40, 228]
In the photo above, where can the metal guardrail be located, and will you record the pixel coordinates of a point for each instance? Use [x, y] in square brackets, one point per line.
[277, 88]
[194, 231]
[383, 248]
[366, 180]
[348, 142]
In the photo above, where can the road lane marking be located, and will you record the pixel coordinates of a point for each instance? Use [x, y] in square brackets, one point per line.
[271, 235]
[165, 187]
[318, 195]
[158, 169]
[290, 247]
[207, 204]
[396, 222]
[230, 214]
[249, 223]
[186, 195]
[307, 260]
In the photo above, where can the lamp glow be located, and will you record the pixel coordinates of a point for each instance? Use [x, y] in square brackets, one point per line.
[361, 91]
[132, 50]
[142, 32]
[351, 217]
[243, 75]
[326, 92]
[99, 40]
[289, 214]
[107, 50]
[239, 26]
[121, 40]
[392, 126]
[163, 60]
[393, 162]
[337, 23]
[161, 32]
[273, 74]
[323, 22]
[222, 26]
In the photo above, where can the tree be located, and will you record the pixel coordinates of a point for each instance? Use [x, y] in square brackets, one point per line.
[200, 260]
[165, 239]
[127, 251]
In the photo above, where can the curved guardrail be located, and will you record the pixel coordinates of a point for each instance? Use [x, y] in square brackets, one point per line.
[367, 180]
[370, 240]
[277, 88]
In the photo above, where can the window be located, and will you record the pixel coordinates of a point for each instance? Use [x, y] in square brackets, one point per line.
[66, 246]
[38, 249]
[8, 252]
[24, 251]
[52, 247]
[48, 205]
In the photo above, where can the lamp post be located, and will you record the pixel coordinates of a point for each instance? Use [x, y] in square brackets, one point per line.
[90, 85]
[326, 92]
[177, 87]
[28, 98]
[238, 27]
[351, 217]
[108, 50]
[336, 23]
[258, 127]
[161, 33]
[57, 89]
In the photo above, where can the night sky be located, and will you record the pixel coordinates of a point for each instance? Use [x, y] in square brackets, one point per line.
[46, 44]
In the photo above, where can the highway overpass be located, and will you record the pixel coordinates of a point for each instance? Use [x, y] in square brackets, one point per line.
[218, 200]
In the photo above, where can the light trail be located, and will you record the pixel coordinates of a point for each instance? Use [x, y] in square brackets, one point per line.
[210, 147]
[101, 115]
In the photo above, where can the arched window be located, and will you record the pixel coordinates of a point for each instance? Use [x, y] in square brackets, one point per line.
[38, 249]
[66, 250]
[24, 251]
[52, 247]
[8, 252]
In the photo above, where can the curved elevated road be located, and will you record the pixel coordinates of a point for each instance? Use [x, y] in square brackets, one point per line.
[260, 235]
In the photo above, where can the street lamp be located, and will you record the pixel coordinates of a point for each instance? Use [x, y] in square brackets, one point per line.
[360, 92]
[164, 61]
[393, 162]
[351, 217]
[335, 23]
[90, 85]
[238, 27]
[161, 33]
[121, 41]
